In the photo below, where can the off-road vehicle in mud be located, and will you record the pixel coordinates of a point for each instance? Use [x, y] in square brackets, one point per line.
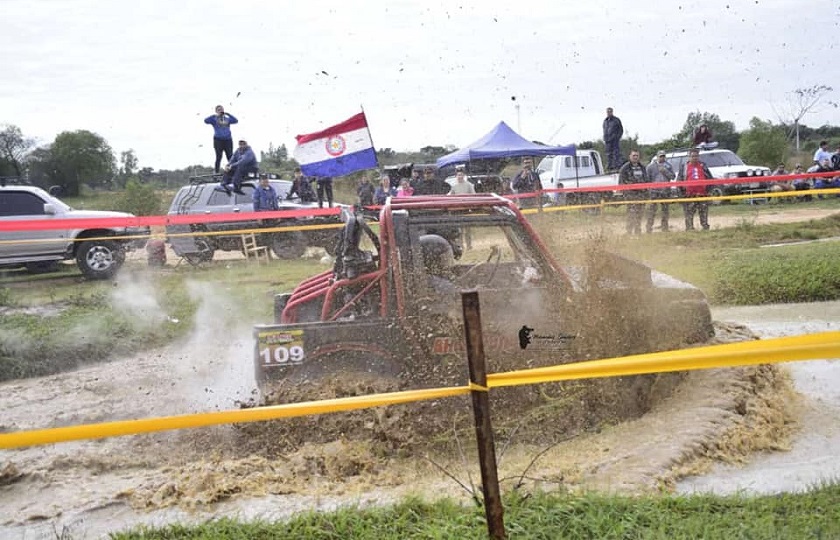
[201, 197]
[98, 251]
[391, 305]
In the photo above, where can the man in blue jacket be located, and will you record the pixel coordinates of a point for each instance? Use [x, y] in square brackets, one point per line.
[222, 139]
[244, 161]
[265, 196]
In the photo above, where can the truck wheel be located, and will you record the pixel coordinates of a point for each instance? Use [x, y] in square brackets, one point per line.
[99, 259]
[204, 254]
[288, 245]
[716, 192]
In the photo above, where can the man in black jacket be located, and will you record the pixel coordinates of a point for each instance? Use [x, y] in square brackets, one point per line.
[613, 131]
[633, 172]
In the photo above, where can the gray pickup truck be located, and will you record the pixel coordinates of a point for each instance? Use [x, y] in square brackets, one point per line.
[197, 242]
[98, 251]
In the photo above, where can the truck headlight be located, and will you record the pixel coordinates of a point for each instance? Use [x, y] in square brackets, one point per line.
[750, 172]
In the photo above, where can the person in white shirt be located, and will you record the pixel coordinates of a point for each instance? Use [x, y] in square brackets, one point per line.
[822, 153]
[462, 186]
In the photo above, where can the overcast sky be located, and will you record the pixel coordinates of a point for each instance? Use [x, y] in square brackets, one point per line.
[145, 74]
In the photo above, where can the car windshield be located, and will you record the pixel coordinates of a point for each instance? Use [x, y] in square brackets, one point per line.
[720, 159]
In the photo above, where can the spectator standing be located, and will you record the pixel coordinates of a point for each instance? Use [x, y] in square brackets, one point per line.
[405, 189]
[384, 190]
[325, 187]
[702, 135]
[431, 185]
[822, 153]
[462, 186]
[659, 171]
[633, 172]
[613, 131]
[222, 138]
[365, 191]
[244, 161]
[265, 196]
[527, 182]
[692, 170]
[302, 188]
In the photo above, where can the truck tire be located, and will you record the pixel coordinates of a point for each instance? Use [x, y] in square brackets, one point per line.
[288, 245]
[204, 254]
[99, 259]
[716, 191]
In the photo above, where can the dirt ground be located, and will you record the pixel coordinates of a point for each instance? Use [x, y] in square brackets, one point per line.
[644, 439]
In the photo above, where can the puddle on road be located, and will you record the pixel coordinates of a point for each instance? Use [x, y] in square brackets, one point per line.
[813, 454]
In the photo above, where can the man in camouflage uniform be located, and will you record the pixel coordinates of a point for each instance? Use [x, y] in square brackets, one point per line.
[633, 172]
[659, 171]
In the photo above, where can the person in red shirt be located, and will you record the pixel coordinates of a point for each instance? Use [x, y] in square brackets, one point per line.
[694, 169]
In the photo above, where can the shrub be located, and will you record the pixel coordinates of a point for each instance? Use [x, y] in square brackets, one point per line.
[139, 199]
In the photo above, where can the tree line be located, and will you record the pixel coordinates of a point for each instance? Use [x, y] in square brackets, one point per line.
[81, 157]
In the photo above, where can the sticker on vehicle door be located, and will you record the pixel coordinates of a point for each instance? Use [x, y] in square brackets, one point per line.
[280, 347]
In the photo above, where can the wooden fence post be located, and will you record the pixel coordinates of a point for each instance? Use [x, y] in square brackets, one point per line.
[493, 509]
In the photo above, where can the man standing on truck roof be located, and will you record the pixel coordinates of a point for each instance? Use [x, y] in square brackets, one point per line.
[633, 172]
[613, 131]
[694, 169]
[222, 138]
[659, 171]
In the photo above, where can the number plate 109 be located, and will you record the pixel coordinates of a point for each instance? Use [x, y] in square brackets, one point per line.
[280, 348]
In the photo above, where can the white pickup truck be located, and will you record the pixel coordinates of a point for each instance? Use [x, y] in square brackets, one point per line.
[585, 170]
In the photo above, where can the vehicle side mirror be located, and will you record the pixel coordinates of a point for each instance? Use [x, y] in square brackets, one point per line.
[49, 209]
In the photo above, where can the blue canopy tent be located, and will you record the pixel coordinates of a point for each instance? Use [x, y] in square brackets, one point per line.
[502, 142]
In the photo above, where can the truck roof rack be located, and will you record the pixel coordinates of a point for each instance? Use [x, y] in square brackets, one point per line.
[215, 178]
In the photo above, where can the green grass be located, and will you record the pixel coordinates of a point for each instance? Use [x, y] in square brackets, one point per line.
[814, 514]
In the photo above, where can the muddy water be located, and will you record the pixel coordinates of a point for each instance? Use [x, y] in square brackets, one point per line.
[88, 489]
[813, 456]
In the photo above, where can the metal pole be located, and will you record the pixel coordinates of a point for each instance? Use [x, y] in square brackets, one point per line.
[493, 510]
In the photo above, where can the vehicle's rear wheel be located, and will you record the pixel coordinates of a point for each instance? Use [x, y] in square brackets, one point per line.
[204, 254]
[288, 245]
[99, 259]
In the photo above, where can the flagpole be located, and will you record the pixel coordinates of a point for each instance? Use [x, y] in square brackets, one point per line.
[375, 153]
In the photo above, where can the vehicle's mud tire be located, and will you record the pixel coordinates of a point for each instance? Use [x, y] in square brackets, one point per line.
[288, 245]
[100, 259]
[308, 380]
[204, 254]
[716, 192]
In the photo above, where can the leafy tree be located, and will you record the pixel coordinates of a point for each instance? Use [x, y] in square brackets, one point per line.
[276, 159]
[801, 102]
[13, 150]
[139, 199]
[74, 158]
[763, 144]
[723, 131]
[128, 162]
